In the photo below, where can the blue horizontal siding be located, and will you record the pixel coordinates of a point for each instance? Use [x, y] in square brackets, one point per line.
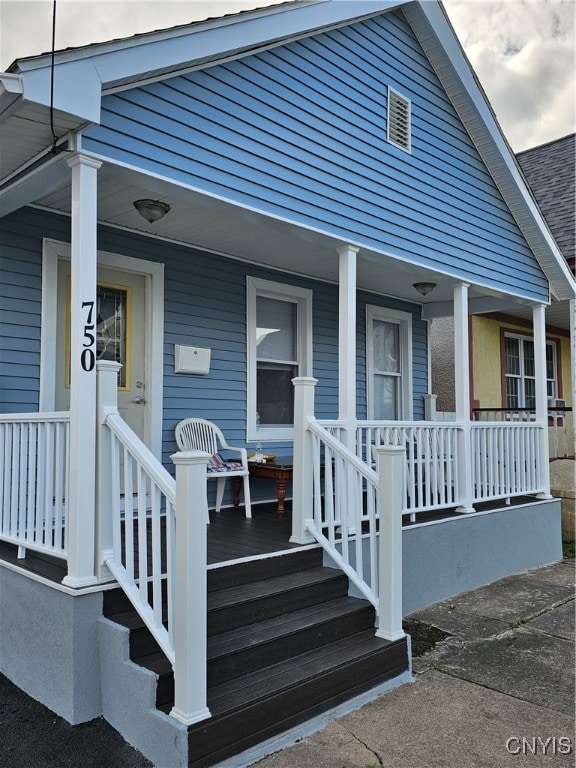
[205, 305]
[312, 115]
[20, 313]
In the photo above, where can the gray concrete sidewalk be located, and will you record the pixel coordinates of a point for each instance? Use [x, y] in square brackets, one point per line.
[495, 690]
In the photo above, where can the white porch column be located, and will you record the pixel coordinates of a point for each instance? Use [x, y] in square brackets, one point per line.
[302, 486]
[82, 500]
[541, 397]
[347, 343]
[462, 394]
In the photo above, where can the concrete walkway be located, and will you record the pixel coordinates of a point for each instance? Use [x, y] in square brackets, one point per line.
[496, 690]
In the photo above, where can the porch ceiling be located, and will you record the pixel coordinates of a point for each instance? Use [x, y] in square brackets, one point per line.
[212, 224]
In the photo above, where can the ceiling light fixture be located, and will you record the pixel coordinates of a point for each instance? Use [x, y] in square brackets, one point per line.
[424, 288]
[151, 210]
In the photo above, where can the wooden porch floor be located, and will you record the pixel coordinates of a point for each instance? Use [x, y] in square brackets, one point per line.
[230, 537]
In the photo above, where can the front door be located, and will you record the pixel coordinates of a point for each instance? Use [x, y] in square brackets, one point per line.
[121, 328]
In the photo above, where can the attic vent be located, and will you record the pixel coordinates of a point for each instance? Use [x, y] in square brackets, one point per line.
[398, 120]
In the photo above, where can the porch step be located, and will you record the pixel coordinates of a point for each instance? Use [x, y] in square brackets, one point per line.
[249, 648]
[255, 707]
[285, 643]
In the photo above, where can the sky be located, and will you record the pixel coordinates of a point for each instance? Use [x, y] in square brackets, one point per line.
[523, 51]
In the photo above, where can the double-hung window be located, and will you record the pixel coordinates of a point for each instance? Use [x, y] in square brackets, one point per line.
[520, 371]
[389, 364]
[279, 325]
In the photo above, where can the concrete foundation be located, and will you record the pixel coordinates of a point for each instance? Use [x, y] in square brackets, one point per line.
[49, 645]
[445, 558]
[459, 554]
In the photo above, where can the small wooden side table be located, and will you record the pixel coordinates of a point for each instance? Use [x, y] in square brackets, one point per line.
[280, 470]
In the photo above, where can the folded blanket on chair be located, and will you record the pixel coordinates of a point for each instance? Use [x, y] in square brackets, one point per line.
[217, 464]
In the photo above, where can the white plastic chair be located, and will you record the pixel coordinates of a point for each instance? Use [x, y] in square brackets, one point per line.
[203, 435]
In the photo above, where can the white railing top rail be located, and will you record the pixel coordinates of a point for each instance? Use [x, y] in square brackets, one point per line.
[30, 418]
[374, 424]
[142, 454]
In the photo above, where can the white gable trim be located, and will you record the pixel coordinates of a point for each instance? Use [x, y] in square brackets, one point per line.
[443, 49]
[142, 58]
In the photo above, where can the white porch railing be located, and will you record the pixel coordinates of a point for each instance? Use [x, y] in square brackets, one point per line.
[432, 479]
[560, 425]
[357, 520]
[34, 461]
[505, 460]
[142, 496]
[352, 510]
[152, 538]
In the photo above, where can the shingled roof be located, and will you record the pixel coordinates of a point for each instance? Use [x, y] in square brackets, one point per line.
[550, 171]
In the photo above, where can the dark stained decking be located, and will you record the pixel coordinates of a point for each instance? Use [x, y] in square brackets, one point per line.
[230, 536]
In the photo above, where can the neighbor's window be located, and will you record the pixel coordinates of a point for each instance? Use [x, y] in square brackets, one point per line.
[279, 349]
[388, 357]
[520, 371]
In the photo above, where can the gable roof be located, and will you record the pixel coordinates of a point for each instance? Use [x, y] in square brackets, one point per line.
[549, 171]
[85, 74]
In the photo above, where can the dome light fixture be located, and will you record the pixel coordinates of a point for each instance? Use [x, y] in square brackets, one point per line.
[151, 210]
[424, 288]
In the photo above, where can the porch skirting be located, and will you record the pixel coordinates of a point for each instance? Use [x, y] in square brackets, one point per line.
[49, 645]
[444, 559]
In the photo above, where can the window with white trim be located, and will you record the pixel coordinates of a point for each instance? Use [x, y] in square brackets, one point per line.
[399, 123]
[389, 363]
[279, 327]
[520, 371]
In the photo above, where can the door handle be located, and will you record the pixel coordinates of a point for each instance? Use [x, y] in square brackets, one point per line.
[138, 400]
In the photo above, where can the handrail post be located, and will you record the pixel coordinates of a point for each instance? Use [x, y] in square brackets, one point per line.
[107, 401]
[302, 479]
[190, 588]
[391, 468]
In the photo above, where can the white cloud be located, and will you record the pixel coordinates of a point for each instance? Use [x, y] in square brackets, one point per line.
[521, 50]
[523, 54]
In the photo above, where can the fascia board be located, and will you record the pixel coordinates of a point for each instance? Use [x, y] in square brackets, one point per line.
[442, 47]
[77, 89]
[128, 61]
[11, 90]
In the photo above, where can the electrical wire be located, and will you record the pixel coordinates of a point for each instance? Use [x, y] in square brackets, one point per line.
[52, 68]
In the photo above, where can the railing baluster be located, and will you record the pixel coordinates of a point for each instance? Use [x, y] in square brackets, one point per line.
[142, 535]
[156, 555]
[128, 514]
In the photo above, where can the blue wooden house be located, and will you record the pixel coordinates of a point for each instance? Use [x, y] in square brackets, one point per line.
[251, 220]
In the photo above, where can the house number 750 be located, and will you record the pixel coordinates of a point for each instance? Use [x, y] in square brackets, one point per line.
[88, 354]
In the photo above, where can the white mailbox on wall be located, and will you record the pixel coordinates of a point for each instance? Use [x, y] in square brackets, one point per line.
[191, 359]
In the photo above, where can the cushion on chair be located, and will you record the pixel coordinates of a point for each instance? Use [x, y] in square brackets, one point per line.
[217, 464]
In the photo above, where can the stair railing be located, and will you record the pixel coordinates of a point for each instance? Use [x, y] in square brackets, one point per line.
[152, 540]
[355, 512]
